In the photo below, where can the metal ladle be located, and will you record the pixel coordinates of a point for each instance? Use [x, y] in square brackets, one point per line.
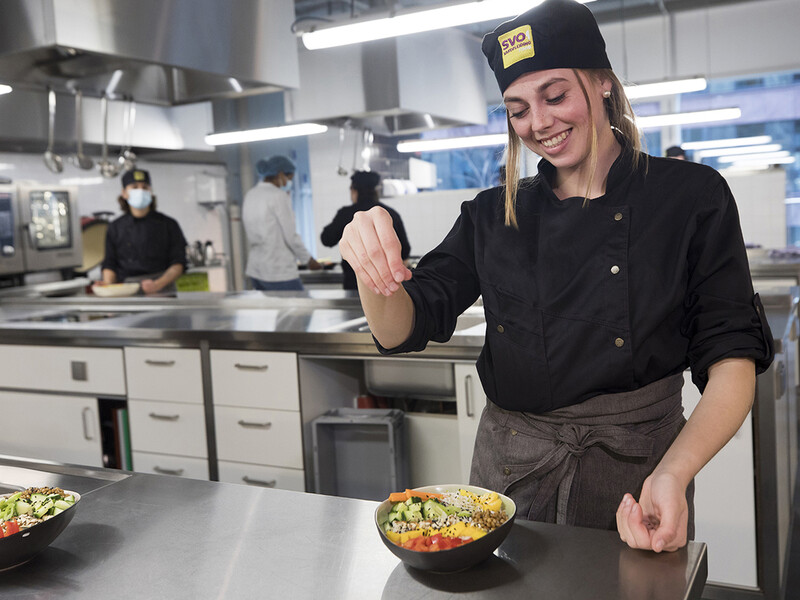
[127, 158]
[51, 159]
[79, 159]
[108, 169]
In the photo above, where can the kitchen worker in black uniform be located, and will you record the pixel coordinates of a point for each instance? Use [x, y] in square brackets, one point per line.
[603, 277]
[143, 244]
[363, 196]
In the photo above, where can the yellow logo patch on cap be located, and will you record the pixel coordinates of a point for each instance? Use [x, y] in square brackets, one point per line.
[138, 176]
[517, 45]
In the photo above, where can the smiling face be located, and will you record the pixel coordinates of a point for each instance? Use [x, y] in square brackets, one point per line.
[549, 112]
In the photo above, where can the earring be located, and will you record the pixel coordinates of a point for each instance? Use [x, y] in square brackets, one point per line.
[607, 94]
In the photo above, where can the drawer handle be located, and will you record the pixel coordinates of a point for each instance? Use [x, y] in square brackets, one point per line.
[88, 428]
[164, 417]
[158, 469]
[249, 481]
[468, 395]
[159, 363]
[242, 367]
[266, 425]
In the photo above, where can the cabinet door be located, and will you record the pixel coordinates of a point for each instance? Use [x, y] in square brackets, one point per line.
[253, 435]
[165, 464]
[255, 379]
[262, 476]
[52, 427]
[168, 374]
[470, 401]
[168, 428]
[724, 501]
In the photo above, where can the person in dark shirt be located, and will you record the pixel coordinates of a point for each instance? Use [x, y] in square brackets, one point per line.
[143, 244]
[363, 195]
[603, 278]
[676, 152]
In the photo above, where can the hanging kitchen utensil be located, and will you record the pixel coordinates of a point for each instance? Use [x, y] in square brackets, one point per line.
[355, 153]
[341, 170]
[366, 152]
[79, 159]
[51, 159]
[108, 168]
[127, 158]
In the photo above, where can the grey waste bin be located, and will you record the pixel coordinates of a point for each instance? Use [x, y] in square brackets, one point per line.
[360, 453]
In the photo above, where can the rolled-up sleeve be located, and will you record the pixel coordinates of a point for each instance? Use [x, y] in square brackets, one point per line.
[723, 317]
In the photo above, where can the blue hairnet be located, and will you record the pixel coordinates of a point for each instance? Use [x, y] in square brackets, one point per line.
[269, 167]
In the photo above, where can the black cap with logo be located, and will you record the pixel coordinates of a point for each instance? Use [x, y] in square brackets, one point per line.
[557, 34]
[135, 176]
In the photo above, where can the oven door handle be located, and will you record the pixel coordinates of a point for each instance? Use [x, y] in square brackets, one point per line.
[30, 228]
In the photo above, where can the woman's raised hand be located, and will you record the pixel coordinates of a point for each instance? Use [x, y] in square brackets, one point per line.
[371, 247]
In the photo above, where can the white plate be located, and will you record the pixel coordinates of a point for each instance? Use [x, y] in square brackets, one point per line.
[112, 290]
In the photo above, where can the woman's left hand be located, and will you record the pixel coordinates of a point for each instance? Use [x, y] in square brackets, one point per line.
[659, 520]
[149, 286]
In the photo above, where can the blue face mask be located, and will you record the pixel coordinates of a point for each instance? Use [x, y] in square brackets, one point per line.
[138, 198]
[287, 187]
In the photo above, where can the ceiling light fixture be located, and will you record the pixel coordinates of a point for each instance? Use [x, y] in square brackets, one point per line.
[267, 133]
[475, 141]
[758, 157]
[688, 118]
[404, 23]
[786, 160]
[738, 150]
[728, 142]
[665, 88]
[5, 89]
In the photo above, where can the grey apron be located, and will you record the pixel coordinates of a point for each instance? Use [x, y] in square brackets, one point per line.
[573, 465]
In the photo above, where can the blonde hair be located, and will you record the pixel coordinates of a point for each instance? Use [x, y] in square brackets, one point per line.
[620, 116]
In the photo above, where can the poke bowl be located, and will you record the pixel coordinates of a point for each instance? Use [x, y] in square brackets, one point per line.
[461, 528]
[33, 529]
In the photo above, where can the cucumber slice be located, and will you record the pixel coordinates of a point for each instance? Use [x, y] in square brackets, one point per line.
[23, 508]
[61, 504]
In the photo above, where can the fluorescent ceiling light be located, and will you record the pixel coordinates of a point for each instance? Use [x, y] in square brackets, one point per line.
[786, 160]
[747, 167]
[758, 157]
[727, 143]
[665, 88]
[737, 150]
[475, 141]
[404, 23]
[688, 118]
[5, 89]
[268, 133]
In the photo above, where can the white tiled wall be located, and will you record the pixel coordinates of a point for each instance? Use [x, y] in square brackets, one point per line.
[173, 185]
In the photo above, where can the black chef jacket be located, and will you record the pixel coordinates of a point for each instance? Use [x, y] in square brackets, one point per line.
[144, 246]
[333, 233]
[580, 301]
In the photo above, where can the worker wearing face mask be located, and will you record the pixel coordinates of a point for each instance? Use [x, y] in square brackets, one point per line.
[274, 246]
[143, 244]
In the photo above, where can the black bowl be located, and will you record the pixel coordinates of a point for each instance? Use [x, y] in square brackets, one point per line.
[454, 559]
[23, 546]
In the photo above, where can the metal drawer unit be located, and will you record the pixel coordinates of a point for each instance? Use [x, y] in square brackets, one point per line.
[167, 413]
[257, 419]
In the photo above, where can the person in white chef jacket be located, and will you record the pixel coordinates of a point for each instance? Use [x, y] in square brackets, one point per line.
[275, 247]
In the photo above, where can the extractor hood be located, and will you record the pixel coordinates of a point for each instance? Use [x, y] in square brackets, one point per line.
[164, 52]
[393, 87]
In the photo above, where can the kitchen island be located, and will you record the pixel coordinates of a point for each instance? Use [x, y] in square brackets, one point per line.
[150, 536]
[227, 388]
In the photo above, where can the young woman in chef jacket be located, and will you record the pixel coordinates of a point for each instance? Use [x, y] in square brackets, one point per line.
[602, 278]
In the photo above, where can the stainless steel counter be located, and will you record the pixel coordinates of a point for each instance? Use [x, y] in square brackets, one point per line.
[149, 536]
[315, 321]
